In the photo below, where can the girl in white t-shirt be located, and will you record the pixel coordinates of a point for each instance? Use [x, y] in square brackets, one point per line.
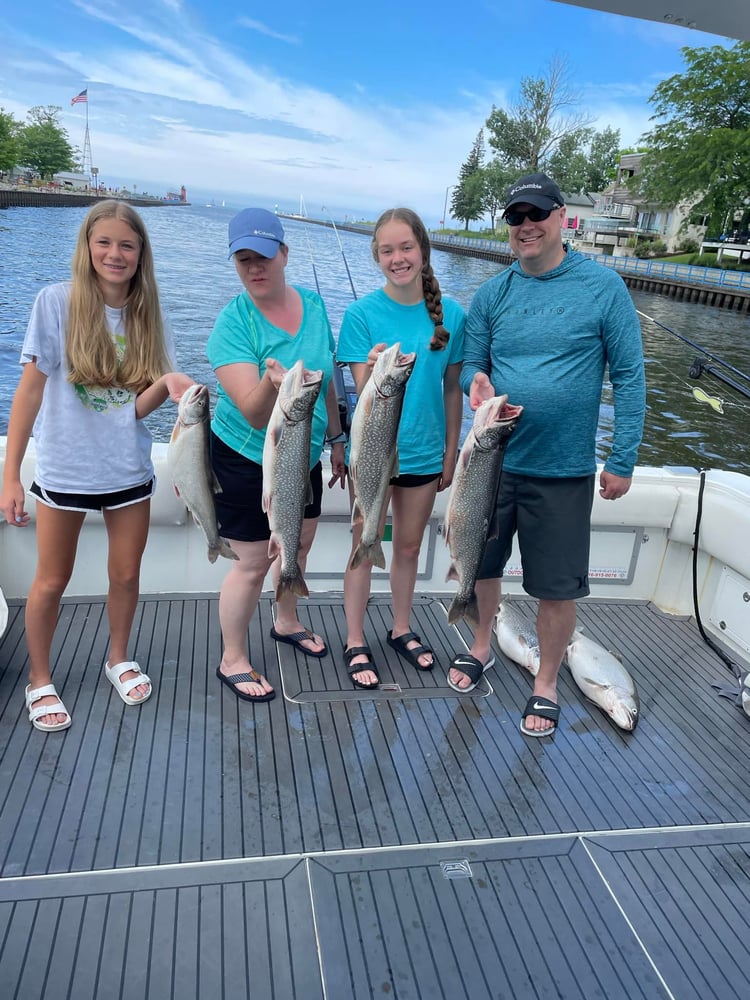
[96, 359]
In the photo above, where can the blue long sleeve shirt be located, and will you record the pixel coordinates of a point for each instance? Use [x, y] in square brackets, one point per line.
[546, 341]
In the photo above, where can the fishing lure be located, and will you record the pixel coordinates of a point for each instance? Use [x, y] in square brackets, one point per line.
[713, 401]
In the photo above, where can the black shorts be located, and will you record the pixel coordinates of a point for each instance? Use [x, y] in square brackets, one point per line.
[239, 506]
[409, 480]
[553, 521]
[84, 502]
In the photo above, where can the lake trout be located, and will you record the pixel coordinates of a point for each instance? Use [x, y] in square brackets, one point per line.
[373, 456]
[286, 472]
[190, 467]
[471, 515]
[604, 680]
[517, 637]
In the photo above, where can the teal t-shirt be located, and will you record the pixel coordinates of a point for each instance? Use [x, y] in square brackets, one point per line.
[377, 319]
[242, 334]
[546, 340]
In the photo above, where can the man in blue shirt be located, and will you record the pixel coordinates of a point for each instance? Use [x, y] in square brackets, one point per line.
[543, 331]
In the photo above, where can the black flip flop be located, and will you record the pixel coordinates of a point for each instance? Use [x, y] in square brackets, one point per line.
[295, 639]
[253, 677]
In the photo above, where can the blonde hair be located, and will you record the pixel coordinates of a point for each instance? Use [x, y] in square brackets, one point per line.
[90, 351]
[433, 297]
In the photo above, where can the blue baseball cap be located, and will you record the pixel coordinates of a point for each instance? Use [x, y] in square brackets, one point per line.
[255, 229]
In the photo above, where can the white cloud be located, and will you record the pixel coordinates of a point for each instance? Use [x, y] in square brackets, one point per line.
[247, 22]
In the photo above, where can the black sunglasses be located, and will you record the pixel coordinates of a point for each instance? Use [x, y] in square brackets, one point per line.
[515, 218]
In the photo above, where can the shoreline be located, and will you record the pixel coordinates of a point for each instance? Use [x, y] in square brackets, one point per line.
[12, 196]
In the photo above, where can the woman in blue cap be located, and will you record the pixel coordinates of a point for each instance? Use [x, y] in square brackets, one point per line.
[257, 337]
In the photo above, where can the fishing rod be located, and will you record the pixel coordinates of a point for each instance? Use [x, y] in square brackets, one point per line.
[309, 245]
[698, 366]
[346, 263]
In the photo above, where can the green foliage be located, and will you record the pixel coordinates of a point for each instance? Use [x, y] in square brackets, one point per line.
[9, 147]
[44, 144]
[650, 248]
[468, 195]
[688, 245]
[497, 180]
[699, 148]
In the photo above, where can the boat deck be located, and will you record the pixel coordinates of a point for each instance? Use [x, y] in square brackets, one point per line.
[338, 844]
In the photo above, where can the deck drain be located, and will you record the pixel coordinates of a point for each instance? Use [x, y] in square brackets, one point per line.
[456, 869]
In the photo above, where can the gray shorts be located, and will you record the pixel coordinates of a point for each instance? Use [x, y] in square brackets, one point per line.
[553, 521]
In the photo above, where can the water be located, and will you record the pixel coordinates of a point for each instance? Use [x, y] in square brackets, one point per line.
[196, 280]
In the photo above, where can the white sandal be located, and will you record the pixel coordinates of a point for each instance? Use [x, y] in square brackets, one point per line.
[123, 688]
[48, 690]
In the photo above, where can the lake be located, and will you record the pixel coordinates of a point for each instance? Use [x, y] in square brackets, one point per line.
[196, 280]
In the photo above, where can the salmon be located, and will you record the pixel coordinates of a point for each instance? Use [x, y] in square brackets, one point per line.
[189, 465]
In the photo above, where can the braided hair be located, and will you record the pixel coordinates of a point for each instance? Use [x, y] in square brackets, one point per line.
[433, 298]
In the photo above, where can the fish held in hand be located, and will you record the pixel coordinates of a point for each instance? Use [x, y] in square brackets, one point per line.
[286, 472]
[517, 637]
[373, 455]
[189, 464]
[604, 680]
[471, 514]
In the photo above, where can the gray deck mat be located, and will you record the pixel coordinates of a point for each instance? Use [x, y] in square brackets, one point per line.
[336, 843]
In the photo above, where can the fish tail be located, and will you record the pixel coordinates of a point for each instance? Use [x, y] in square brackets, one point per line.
[464, 607]
[292, 584]
[372, 551]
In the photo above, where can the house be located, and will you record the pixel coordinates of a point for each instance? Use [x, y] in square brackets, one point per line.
[620, 218]
[72, 181]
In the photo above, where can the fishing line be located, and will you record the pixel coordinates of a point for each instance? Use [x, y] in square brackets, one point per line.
[346, 263]
[699, 366]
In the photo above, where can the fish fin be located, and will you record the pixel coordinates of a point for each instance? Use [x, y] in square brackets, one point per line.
[292, 585]
[452, 573]
[617, 655]
[176, 491]
[265, 502]
[175, 431]
[372, 552]
[464, 607]
[357, 513]
[309, 498]
[226, 550]
[215, 484]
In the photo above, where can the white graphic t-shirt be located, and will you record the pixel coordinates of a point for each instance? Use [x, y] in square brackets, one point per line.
[87, 438]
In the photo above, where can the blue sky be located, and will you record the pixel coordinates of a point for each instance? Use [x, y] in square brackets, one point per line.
[355, 108]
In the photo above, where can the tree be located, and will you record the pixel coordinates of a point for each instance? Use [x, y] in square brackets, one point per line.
[603, 157]
[526, 136]
[468, 195]
[44, 144]
[497, 180]
[9, 145]
[699, 148]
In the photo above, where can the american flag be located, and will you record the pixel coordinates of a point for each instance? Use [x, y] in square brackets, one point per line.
[81, 98]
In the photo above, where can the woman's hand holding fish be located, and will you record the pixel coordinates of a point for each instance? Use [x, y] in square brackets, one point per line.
[177, 383]
[375, 350]
[480, 389]
[613, 487]
[275, 372]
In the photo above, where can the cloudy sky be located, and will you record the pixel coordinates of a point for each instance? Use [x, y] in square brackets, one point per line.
[351, 107]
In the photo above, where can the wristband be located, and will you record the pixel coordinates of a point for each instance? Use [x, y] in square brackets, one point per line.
[338, 439]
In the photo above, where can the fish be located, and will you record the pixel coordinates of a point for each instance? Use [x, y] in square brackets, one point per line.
[517, 637]
[373, 455]
[471, 513]
[603, 679]
[286, 472]
[190, 469]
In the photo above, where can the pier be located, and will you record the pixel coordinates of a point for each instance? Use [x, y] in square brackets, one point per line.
[24, 197]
